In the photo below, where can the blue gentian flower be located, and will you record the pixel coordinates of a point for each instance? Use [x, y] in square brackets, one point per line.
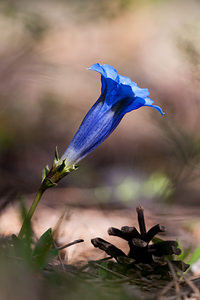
[119, 95]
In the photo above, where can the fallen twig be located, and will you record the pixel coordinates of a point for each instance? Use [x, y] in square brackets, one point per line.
[70, 244]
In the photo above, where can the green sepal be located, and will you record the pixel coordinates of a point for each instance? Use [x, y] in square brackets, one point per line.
[59, 169]
[47, 183]
[45, 172]
[56, 157]
[62, 167]
[56, 154]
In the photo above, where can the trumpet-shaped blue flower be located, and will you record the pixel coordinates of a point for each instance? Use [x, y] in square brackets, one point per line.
[119, 95]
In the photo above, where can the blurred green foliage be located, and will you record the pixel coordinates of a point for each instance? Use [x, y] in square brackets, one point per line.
[189, 255]
[157, 186]
[28, 269]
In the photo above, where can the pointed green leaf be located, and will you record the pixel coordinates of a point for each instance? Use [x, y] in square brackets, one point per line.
[43, 251]
[44, 242]
[195, 256]
[28, 232]
[184, 252]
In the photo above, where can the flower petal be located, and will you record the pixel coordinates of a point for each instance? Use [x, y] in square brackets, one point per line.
[149, 102]
[109, 78]
[125, 80]
[106, 71]
[119, 95]
[139, 92]
[90, 134]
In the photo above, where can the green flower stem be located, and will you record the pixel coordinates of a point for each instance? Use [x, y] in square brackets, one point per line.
[31, 212]
[49, 179]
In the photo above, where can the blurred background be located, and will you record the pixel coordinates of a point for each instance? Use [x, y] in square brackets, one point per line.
[45, 91]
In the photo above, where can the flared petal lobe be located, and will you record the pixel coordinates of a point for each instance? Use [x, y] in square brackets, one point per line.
[119, 95]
